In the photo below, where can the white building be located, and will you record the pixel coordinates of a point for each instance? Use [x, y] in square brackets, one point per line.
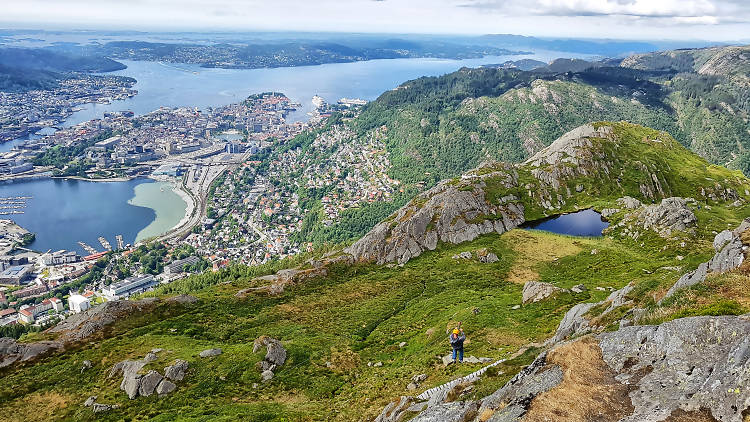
[60, 257]
[57, 304]
[129, 286]
[78, 303]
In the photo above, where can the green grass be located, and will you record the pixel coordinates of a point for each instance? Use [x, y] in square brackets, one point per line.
[354, 316]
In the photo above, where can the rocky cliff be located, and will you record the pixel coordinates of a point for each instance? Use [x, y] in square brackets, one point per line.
[588, 165]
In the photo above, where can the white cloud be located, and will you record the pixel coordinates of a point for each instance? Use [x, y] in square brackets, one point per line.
[727, 19]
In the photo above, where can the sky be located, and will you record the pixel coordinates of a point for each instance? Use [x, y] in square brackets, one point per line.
[714, 20]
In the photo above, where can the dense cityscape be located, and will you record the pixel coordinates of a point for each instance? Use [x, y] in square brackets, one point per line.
[239, 211]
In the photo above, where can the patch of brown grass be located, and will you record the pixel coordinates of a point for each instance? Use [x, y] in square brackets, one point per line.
[702, 415]
[35, 407]
[344, 360]
[734, 285]
[498, 337]
[533, 249]
[588, 392]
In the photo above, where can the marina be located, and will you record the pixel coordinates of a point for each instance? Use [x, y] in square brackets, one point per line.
[105, 244]
[86, 247]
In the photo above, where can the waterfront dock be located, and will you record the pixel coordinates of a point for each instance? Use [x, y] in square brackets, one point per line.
[120, 243]
[105, 244]
[88, 248]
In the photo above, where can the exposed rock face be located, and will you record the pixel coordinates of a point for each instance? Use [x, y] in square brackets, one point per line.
[571, 155]
[76, 328]
[730, 254]
[636, 374]
[449, 412]
[630, 203]
[182, 299]
[534, 291]
[275, 284]
[690, 363]
[11, 351]
[513, 399]
[80, 326]
[445, 213]
[395, 411]
[573, 322]
[671, 215]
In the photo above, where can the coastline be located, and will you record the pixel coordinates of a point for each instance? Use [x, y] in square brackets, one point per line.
[86, 179]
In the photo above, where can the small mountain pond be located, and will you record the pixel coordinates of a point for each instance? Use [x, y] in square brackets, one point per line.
[581, 223]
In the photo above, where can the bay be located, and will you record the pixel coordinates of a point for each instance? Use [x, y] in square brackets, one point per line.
[188, 85]
[63, 212]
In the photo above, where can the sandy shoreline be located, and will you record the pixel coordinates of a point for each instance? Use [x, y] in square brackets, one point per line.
[178, 189]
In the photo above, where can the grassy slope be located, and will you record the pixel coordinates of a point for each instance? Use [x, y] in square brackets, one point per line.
[360, 314]
[355, 316]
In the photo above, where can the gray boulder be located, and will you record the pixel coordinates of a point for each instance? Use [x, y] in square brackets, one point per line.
[149, 382]
[573, 322]
[210, 353]
[165, 387]
[275, 354]
[266, 375]
[86, 364]
[90, 401]
[629, 203]
[100, 408]
[670, 216]
[176, 372]
[463, 255]
[534, 291]
[130, 385]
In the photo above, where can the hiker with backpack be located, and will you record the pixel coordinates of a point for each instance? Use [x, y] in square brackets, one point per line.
[457, 338]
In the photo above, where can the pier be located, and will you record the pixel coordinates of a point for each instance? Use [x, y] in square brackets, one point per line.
[10, 205]
[88, 248]
[105, 243]
[120, 243]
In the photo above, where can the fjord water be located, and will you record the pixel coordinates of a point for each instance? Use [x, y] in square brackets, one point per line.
[582, 223]
[63, 212]
[182, 85]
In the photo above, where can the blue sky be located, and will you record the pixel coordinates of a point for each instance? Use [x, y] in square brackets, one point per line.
[630, 19]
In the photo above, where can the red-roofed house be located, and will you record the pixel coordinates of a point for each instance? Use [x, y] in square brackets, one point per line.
[26, 315]
[57, 304]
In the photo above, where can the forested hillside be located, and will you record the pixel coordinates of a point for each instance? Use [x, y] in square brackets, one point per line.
[438, 127]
